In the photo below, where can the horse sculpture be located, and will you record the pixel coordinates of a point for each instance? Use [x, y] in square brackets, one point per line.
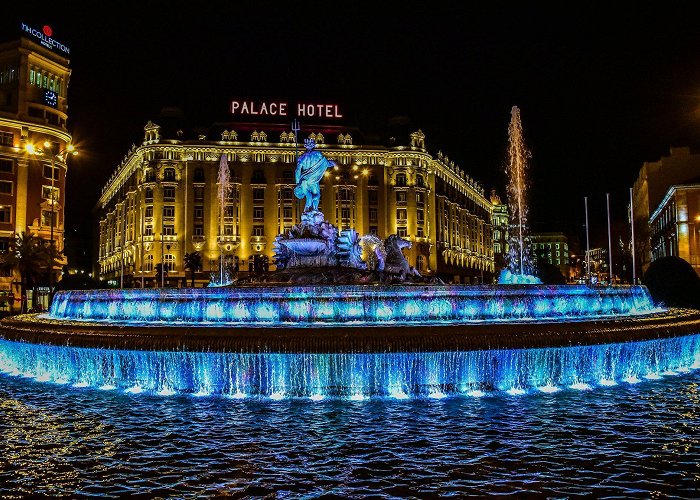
[395, 261]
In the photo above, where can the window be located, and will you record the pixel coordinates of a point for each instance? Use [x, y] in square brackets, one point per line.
[5, 214]
[419, 216]
[373, 230]
[199, 175]
[198, 230]
[400, 179]
[198, 212]
[420, 263]
[169, 174]
[6, 139]
[46, 193]
[401, 197]
[6, 165]
[372, 196]
[496, 248]
[150, 176]
[258, 194]
[169, 262]
[258, 213]
[258, 231]
[345, 213]
[372, 181]
[47, 218]
[373, 215]
[149, 195]
[557, 246]
[169, 193]
[258, 177]
[401, 232]
[286, 194]
[148, 263]
[169, 230]
[5, 187]
[401, 214]
[229, 211]
[47, 172]
[149, 211]
[4, 244]
[288, 175]
[199, 194]
[168, 211]
[419, 232]
[148, 230]
[419, 181]
[419, 198]
[228, 229]
[287, 212]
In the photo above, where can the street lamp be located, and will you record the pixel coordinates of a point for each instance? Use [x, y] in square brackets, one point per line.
[61, 155]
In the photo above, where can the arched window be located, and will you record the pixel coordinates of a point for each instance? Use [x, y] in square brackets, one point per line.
[169, 174]
[400, 179]
[148, 263]
[419, 180]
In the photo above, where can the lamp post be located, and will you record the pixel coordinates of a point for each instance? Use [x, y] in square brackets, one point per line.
[48, 149]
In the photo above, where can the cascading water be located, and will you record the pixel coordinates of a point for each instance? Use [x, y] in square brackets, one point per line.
[353, 376]
[351, 304]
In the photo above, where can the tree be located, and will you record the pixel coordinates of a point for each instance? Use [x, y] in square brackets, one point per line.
[31, 256]
[193, 262]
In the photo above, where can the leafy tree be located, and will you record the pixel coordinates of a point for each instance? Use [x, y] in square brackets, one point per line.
[32, 257]
[193, 262]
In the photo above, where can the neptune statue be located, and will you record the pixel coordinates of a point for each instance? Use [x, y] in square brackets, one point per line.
[310, 169]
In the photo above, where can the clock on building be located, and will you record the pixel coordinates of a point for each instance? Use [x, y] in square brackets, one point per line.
[50, 98]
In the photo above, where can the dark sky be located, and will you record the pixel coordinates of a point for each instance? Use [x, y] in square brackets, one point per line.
[600, 92]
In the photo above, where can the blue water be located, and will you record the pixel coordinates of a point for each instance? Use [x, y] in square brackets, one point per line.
[357, 304]
[354, 376]
[632, 440]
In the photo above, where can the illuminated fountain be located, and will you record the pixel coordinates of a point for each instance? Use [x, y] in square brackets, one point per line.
[373, 327]
[519, 258]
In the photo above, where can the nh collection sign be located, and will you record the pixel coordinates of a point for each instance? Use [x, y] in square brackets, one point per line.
[284, 109]
[44, 36]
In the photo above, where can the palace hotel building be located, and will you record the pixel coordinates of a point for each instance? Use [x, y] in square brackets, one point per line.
[161, 202]
[34, 77]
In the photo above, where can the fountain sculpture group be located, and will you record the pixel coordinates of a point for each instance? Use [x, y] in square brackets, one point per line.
[346, 316]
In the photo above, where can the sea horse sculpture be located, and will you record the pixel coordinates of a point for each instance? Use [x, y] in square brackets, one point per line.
[396, 262]
[310, 169]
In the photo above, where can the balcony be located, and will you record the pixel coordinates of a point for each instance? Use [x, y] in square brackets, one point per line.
[170, 237]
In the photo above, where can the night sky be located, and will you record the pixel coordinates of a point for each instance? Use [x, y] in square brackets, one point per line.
[599, 92]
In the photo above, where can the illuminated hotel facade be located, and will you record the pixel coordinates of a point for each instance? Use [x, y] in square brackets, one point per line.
[161, 203]
[33, 112]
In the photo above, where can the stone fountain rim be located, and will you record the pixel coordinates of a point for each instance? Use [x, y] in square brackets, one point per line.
[364, 338]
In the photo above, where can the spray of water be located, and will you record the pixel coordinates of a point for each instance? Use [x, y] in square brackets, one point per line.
[224, 187]
[519, 256]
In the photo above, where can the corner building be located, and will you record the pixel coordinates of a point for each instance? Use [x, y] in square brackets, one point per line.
[33, 110]
[162, 202]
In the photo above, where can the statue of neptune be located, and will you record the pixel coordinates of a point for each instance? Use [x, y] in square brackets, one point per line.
[310, 169]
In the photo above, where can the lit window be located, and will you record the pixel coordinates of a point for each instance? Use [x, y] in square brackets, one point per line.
[46, 192]
[47, 218]
[169, 262]
[148, 263]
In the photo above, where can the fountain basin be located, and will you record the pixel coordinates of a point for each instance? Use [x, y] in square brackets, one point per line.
[351, 304]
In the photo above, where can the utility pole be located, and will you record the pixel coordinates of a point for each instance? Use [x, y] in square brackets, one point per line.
[634, 268]
[588, 246]
[607, 196]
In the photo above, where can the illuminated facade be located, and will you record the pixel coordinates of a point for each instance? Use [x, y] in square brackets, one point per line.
[667, 208]
[161, 203]
[33, 111]
[500, 222]
[554, 249]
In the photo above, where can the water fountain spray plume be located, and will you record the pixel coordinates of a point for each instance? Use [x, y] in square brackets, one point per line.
[519, 255]
[224, 187]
